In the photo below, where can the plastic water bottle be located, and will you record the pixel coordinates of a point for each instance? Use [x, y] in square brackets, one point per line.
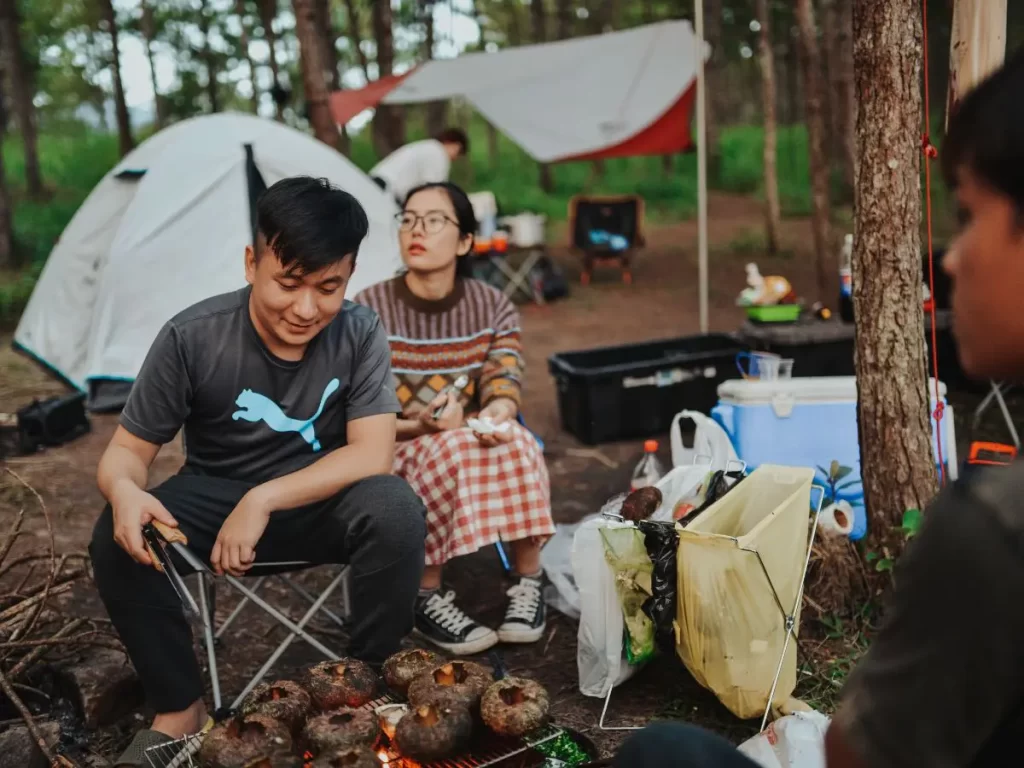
[649, 470]
[846, 280]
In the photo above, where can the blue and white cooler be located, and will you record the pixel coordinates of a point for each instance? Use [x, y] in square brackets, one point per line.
[810, 422]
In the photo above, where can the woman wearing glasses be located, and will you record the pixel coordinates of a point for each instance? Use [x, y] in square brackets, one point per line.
[456, 357]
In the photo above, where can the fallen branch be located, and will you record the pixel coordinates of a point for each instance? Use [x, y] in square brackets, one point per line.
[32, 656]
[53, 640]
[12, 535]
[25, 605]
[19, 705]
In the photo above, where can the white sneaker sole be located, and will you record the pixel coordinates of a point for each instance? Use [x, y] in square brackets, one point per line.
[479, 645]
[520, 635]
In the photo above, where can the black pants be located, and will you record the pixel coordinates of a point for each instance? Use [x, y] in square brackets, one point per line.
[376, 526]
[676, 745]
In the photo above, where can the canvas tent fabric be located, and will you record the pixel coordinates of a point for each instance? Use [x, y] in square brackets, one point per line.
[617, 94]
[167, 227]
[740, 570]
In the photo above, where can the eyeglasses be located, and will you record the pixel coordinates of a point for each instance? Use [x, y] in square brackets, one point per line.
[433, 221]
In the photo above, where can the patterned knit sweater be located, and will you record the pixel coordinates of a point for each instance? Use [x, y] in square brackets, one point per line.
[474, 330]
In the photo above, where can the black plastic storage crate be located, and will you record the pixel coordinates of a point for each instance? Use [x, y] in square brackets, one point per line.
[633, 391]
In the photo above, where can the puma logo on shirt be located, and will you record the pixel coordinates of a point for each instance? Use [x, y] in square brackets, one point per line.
[256, 407]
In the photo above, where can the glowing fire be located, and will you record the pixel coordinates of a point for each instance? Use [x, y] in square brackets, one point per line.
[384, 757]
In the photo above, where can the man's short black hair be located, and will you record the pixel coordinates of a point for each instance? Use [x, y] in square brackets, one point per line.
[454, 136]
[310, 224]
[986, 132]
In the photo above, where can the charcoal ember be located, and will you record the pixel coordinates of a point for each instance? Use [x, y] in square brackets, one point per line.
[515, 706]
[350, 757]
[103, 686]
[432, 732]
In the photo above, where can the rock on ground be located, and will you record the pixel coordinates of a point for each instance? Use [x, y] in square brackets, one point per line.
[104, 686]
[19, 750]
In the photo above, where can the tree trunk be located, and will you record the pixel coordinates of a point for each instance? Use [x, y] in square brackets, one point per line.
[773, 211]
[19, 85]
[810, 60]
[846, 101]
[539, 33]
[356, 37]
[7, 253]
[332, 75]
[389, 130]
[243, 41]
[124, 127]
[268, 12]
[898, 467]
[977, 45]
[435, 110]
[148, 29]
[563, 19]
[208, 59]
[313, 69]
[492, 145]
[714, 78]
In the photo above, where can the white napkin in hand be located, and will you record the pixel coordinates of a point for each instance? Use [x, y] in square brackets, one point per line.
[485, 426]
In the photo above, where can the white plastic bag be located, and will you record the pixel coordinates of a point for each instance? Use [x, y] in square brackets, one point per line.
[599, 652]
[711, 443]
[793, 741]
[561, 592]
[682, 484]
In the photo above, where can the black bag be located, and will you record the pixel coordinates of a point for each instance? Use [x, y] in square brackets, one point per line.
[661, 541]
[51, 422]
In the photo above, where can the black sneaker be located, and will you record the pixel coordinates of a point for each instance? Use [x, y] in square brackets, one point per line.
[526, 615]
[445, 624]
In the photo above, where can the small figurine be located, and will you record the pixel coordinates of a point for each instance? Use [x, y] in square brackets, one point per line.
[765, 291]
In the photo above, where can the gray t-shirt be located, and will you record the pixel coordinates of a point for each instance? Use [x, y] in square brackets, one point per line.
[247, 414]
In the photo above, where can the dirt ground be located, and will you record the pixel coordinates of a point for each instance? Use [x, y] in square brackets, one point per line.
[662, 302]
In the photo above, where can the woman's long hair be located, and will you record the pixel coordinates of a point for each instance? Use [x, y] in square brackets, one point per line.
[464, 217]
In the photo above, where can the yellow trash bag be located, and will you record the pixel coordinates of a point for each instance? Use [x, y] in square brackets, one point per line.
[741, 565]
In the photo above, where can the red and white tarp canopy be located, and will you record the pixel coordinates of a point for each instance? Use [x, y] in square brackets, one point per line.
[613, 95]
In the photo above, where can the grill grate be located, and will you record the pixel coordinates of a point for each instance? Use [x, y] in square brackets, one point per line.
[493, 751]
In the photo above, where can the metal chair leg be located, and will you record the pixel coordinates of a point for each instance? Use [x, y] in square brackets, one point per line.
[211, 653]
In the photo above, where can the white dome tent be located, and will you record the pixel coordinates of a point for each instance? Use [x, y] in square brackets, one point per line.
[167, 227]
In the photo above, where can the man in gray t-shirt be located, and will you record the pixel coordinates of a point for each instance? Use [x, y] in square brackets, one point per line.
[283, 393]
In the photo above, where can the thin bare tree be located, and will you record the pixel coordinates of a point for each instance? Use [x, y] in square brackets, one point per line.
[766, 59]
[124, 127]
[313, 69]
[19, 86]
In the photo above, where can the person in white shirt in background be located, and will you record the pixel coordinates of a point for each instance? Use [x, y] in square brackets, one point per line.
[420, 162]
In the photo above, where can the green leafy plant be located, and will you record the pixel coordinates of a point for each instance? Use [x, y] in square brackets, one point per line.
[835, 476]
[909, 527]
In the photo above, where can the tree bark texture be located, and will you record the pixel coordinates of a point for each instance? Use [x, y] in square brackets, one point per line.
[897, 465]
[714, 77]
[539, 33]
[766, 58]
[313, 72]
[19, 86]
[268, 12]
[243, 41]
[389, 130]
[148, 29]
[332, 75]
[810, 60]
[124, 127]
[977, 45]
[435, 110]
[844, 102]
[355, 37]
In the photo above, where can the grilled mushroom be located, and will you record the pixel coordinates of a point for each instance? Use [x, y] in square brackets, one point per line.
[284, 701]
[246, 741]
[341, 728]
[431, 732]
[455, 684]
[405, 666]
[349, 757]
[641, 503]
[342, 683]
[514, 706]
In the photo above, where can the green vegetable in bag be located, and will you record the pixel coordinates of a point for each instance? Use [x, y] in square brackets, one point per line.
[626, 553]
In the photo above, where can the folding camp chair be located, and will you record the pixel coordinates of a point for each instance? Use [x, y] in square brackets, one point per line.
[202, 612]
[606, 228]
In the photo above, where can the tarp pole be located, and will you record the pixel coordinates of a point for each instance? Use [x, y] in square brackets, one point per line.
[702, 171]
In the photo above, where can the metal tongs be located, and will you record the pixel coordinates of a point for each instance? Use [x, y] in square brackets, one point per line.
[158, 538]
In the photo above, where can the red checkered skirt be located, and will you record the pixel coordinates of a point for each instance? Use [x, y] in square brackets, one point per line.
[477, 495]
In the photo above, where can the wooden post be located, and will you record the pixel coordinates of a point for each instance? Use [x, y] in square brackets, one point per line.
[977, 45]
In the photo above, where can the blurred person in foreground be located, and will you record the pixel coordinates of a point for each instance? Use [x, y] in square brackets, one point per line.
[942, 685]
[283, 391]
[420, 162]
